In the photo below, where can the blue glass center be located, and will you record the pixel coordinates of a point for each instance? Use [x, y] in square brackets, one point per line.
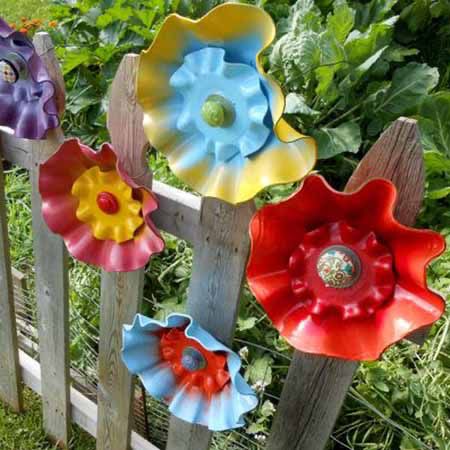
[192, 360]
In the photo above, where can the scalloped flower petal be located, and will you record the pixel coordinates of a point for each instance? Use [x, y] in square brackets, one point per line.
[27, 94]
[59, 208]
[182, 50]
[287, 283]
[141, 354]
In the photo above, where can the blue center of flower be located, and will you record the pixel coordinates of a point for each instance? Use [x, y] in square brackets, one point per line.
[192, 360]
[223, 107]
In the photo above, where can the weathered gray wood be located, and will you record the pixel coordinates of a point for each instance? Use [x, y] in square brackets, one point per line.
[220, 257]
[51, 264]
[121, 292]
[120, 299]
[16, 151]
[10, 387]
[178, 213]
[316, 386]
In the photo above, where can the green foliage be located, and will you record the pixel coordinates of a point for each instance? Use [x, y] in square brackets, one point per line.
[341, 71]
[435, 122]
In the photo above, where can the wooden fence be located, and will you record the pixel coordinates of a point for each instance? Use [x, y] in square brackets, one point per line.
[315, 387]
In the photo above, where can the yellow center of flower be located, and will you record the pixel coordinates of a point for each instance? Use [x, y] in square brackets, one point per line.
[107, 205]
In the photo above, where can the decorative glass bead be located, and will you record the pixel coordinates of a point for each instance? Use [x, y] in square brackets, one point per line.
[192, 359]
[7, 72]
[339, 267]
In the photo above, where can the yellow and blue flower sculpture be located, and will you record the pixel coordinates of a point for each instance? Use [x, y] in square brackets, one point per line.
[211, 109]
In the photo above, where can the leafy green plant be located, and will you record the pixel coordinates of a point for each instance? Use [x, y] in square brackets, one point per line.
[345, 76]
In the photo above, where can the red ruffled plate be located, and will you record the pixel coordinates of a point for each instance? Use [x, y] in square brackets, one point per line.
[56, 178]
[294, 273]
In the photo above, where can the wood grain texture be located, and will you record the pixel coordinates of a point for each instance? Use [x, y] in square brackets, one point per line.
[398, 156]
[10, 386]
[121, 292]
[120, 300]
[46, 50]
[51, 270]
[316, 386]
[220, 258]
[178, 212]
[125, 122]
[16, 151]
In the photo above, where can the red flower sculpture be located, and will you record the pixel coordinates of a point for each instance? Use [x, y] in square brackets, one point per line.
[102, 215]
[337, 274]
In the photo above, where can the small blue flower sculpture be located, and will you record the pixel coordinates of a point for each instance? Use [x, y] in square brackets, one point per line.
[182, 364]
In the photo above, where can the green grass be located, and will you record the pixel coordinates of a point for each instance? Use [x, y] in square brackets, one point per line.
[25, 432]
[12, 11]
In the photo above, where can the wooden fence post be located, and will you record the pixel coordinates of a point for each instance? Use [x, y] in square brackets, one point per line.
[121, 293]
[220, 257]
[10, 387]
[316, 386]
[51, 265]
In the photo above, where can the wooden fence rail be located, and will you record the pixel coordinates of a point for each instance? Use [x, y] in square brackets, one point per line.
[315, 387]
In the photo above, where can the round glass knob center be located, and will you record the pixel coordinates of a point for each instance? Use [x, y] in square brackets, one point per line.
[339, 267]
[7, 72]
[192, 359]
[217, 112]
[108, 203]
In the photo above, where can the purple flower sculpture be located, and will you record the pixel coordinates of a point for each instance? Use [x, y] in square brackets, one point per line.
[27, 95]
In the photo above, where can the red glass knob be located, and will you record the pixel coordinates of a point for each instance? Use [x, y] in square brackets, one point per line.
[108, 203]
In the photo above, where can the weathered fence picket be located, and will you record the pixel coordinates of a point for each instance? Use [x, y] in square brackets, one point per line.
[51, 269]
[316, 386]
[220, 253]
[121, 293]
[10, 387]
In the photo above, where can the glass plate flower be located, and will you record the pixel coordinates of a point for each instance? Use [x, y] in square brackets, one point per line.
[182, 364]
[102, 215]
[337, 274]
[27, 95]
[211, 109]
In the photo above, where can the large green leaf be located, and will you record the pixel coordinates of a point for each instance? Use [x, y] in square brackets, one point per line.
[333, 141]
[296, 55]
[340, 23]
[260, 371]
[372, 12]
[361, 46]
[332, 58]
[74, 58]
[305, 15]
[410, 84]
[351, 81]
[436, 162]
[296, 104]
[434, 122]
[417, 15]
